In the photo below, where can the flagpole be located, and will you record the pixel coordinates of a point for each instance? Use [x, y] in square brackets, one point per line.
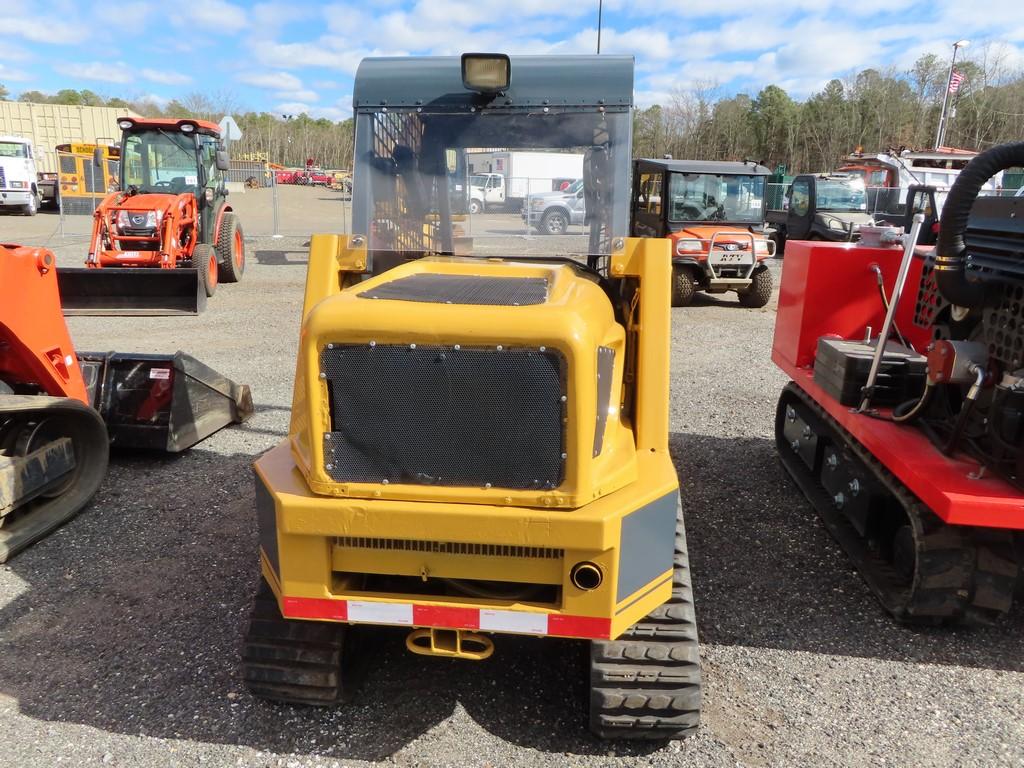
[940, 134]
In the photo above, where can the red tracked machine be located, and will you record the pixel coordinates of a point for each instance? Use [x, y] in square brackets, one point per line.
[912, 451]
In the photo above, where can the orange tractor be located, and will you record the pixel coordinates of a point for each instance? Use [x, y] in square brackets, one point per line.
[162, 243]
[59, 410]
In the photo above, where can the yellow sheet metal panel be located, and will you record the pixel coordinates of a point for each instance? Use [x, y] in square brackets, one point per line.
[649, 260]
[575, 319]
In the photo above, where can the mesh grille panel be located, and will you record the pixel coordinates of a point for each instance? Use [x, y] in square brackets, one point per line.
[463, 289]
[929, 301]
[440, 415]
[450, 547]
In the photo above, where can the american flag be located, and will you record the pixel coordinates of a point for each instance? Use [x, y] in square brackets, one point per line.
[955, 80]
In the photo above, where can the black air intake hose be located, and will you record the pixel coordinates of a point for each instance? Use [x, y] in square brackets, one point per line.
[951, 250]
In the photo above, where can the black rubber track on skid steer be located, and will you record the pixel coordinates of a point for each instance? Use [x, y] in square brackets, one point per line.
[964, 574]
[290, 661]
[647, 683]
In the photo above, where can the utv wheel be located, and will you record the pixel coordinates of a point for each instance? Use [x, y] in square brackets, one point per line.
[230, 249]
[647, 683]
[475, 206]
[683, 287]
[290, 661]
[204, 260]
[554, 223]
[33, 205]
[760, 291]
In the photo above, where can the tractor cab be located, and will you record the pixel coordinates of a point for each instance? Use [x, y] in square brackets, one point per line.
[174, 157]
[713, 212]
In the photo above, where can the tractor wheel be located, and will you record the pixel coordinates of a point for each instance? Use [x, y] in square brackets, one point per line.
[231, 249]
[475, 206]
[204, 260]
[683, 287]
[760, 291]
[646, 684]
[295, 662]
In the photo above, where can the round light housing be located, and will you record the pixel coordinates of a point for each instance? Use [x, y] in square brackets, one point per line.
[187, 127]
[124, 125]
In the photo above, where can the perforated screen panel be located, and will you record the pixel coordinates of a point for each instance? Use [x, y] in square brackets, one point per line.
[445, 415]
[463, 289]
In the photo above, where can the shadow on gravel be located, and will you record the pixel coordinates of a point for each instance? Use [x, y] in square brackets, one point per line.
[270, 258]
[768, 575]
[132, 616]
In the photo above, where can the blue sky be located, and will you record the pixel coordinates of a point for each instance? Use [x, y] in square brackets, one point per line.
[290, 57]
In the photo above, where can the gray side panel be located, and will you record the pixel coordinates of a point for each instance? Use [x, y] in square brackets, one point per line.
[648, 543]
[463, 289]
[605, 368]
[266, 523]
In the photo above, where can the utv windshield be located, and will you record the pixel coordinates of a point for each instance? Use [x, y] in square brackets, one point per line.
[160, 161]
[840, 195]
[716, 197]
[404, 160]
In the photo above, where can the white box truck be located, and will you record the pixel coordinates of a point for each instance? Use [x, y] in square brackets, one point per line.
[19, 182]
[504, 179]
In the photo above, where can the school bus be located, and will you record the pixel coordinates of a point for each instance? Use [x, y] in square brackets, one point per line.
[82, 185]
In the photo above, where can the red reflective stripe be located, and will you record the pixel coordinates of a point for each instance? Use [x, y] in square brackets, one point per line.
[579, 626]
[445, 616]
[449, 617]
[315, 608]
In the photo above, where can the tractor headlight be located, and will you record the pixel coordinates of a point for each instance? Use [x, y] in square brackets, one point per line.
[689, 246]
[835, 224]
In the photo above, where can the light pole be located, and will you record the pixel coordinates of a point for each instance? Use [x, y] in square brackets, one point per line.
[940, 135]
[600, 8]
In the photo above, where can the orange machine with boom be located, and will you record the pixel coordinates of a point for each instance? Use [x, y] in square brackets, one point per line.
[167, 237]
[60, 410]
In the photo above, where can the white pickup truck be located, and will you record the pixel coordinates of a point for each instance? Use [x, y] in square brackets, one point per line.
[19, 182]
[505, 179]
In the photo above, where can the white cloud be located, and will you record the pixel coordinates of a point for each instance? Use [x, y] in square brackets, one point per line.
[300, 95]
[40, 29]
[8, 75]
[278, 81]
[208, 16]
[116, 72]
[165, 77]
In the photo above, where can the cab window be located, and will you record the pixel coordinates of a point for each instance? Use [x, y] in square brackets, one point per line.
[800, 197]
[649, 194]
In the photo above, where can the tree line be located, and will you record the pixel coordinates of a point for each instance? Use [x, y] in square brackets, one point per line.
[874, 109]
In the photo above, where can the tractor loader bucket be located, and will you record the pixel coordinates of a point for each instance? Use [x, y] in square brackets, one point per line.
[131, 291]
[161, 402]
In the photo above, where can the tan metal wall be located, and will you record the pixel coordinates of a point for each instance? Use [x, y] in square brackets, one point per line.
[48, 125]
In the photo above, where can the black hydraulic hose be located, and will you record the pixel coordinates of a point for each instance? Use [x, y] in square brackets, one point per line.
[951, 250]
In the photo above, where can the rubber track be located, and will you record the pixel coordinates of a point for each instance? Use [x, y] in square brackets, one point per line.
[647, 683]
[296, 662]
[964, 575]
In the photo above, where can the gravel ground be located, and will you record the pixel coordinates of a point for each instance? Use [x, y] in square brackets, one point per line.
[121, 632]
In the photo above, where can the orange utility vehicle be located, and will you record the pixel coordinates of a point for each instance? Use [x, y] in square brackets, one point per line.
[60, 410]
[713, 212]
[161, 243]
